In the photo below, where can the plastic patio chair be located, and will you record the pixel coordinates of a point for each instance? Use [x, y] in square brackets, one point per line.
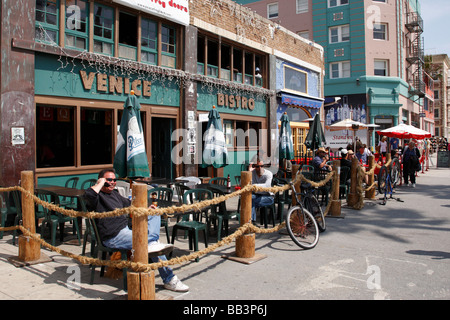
[165, 194]
[68, 202]
[222, 215]
[54, 218]
[193, 227]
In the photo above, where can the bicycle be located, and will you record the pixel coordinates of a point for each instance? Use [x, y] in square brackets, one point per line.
[388, 177]
[301, 224]
[310, 202]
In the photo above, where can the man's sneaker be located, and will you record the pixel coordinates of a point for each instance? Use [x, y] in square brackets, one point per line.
[413, 185]
[175, 284]
[159, 249]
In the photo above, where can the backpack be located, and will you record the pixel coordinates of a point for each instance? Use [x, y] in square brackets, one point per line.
[414, 160]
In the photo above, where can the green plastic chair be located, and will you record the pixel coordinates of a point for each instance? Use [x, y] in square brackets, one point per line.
[12, 207]
[88, 183]
[53, 218]
[98, 248]
[165, 194]
[194, 226]
[222, 215]
[68, 202]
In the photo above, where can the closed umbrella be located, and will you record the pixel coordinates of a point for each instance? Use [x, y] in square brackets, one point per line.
[130, 159]
[286, 146]
[315, 137]
[405, 131]
[215, 152]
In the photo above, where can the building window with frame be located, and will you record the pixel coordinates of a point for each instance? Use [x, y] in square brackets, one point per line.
[381, 68]
[339, 34]
[272, 10]
[168, 50]
[380, 31]
[127, 36]
[340, 69]
[149, 41]
[304, 34]
[301, 6]
[77, 25]
[103, 29]
[55, 139]
[46, 26]
[295, 79]
[336, 3]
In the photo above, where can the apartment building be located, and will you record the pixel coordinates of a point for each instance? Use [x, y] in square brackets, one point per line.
[374, 58]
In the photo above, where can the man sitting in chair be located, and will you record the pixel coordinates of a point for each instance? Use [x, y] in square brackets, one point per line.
[261, 178]
[320, 160]
[114, 231]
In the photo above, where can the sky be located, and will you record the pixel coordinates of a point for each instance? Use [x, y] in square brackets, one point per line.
[436, 15]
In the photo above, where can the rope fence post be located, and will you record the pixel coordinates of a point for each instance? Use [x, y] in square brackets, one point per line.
[29, 249]
[370, 194]
[245, 244]
[141, 285]
[335, 208]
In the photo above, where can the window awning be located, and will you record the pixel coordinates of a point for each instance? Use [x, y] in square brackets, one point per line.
[300, 101]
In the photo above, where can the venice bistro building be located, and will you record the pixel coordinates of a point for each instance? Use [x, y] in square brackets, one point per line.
[68, 65]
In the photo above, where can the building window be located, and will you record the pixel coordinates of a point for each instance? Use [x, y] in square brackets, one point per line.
[149, 41]
[272, 10]
[339, 34]
[302, 6]
[436, 113]
[436, 94]
[168, 52]
[340, 69]
[77, 26]
[127, 36]
[336, 3]
[379, 1]
[295, 79]
[381, 68]
[46, 28]
[304, 34]
[103, 29]
[55, 139]
[380, 31]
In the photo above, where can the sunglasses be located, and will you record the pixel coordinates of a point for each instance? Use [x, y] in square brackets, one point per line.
[257, 166]
[111, 179]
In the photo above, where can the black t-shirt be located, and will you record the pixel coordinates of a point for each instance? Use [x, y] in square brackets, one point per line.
[102, 202]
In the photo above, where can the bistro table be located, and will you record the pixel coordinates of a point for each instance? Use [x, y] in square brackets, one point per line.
[160, 181]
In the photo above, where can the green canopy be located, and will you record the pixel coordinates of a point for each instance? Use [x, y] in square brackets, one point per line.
[315, 137]
[285, 146]
[215, 151]
[130, 159]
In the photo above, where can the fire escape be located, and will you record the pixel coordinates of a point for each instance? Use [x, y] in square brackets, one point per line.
[415, 55]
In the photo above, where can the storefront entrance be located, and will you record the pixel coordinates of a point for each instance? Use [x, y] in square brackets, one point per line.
[162, 164]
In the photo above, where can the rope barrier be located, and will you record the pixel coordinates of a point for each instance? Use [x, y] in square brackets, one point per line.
[169, 211]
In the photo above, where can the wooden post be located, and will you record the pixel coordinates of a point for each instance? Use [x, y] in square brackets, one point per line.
[335, 207]
[370, 194]
[245, 244]
[295, 169]
[29, 249]
[352, 196]
[141, 285]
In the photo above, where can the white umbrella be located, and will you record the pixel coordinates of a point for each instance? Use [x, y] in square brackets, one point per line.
[348, 124]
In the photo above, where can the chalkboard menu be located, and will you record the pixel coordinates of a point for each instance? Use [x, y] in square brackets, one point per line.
[443, 159]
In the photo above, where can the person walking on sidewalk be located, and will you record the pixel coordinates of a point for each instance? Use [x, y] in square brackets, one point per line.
[114, 231]
[410, 161]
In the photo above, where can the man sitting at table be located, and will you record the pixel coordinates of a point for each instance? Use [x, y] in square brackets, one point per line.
[114, 231]
[261, 178]
[320, 160]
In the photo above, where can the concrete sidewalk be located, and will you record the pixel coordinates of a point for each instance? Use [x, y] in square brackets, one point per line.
[287, 272]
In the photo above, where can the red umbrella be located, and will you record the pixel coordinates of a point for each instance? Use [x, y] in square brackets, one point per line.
[405, 131]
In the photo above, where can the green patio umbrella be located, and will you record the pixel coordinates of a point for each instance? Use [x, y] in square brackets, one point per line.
[215, 151]
[285, 146]
[315, 137]
[130, 159]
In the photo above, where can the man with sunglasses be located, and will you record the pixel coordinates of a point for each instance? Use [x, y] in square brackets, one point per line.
[261, 178]
[115, 232]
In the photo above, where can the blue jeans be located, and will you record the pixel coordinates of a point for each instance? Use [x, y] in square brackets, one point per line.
[124, 240]
[260, 201]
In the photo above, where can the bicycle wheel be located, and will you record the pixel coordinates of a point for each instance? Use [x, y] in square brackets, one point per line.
[395, 172]
[382, 179]
[302, 228]
[312, 205]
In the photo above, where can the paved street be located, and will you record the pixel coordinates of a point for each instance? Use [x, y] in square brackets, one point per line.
[397, 251]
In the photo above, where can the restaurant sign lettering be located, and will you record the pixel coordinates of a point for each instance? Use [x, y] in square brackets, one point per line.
[235, 102]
